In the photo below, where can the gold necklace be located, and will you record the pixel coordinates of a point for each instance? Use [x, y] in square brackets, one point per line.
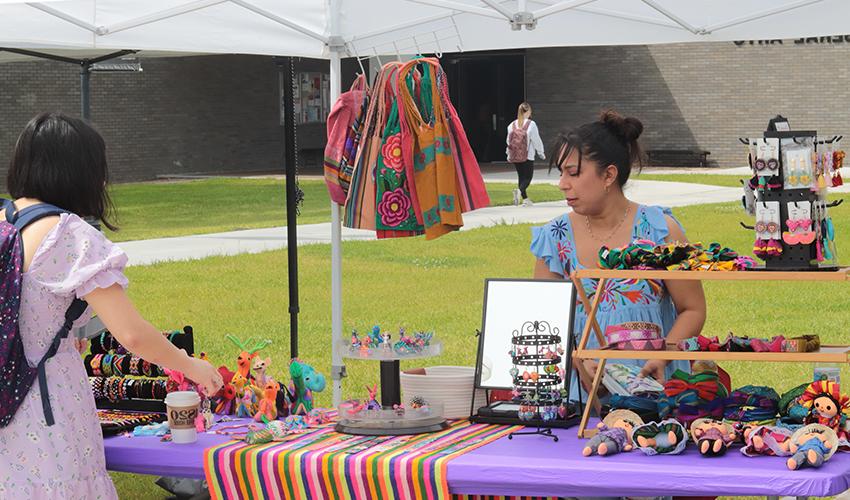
[590, 229]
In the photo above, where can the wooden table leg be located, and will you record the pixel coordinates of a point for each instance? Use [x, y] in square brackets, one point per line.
[592, 400]
[591, 322]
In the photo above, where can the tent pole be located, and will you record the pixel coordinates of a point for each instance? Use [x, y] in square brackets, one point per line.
[85, 91]
[337, 366]
[291, 223]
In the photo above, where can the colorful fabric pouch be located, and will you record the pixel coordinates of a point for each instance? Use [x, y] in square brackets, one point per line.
[635, 335]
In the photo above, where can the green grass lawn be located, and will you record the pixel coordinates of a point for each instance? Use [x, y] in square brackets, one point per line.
[710, 179]
[439, 285]
[163, 209]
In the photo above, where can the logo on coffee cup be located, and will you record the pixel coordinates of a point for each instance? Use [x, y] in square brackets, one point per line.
[182, 418]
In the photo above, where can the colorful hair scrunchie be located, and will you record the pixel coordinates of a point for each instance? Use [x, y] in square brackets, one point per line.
[751, 404]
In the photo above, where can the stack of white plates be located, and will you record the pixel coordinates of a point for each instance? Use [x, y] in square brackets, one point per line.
[450, 385]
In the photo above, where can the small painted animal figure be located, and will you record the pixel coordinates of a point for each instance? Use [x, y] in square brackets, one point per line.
[268, 406]
[375, 336]
[247, 405]
[373, 403]
[225, 401]
[259, 368]
[243, 361]
[305, 381]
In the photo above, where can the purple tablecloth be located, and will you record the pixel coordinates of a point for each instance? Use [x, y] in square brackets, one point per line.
[150, 455]
[534, 465]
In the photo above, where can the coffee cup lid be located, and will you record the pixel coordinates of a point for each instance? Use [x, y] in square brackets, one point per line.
[182, 398]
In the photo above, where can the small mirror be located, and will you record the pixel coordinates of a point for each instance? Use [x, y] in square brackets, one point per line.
[510, 303]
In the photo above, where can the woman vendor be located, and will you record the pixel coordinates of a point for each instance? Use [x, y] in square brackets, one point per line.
[595, 161]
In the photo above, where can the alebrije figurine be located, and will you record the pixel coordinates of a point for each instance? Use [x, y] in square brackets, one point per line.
[373, 403]
[667, 437]
[259, 368]
[224, 406]
[375, 336]
[204, 420]
[239, 382]
[243, 361]
[387, 342]
[712, 436]
[811, 446]
[615, 434]
[766, 440]
[827, 406]
[246, 407]
[268, 405]
[355, 341]
[305, 381]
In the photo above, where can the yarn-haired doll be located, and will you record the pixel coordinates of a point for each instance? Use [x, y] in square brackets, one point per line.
[615, 434]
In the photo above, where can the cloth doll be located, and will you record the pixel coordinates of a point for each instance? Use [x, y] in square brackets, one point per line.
[667, 437]
[827, 406]
[766, 440]
[811, 446]
[712, 436]
[615, 434]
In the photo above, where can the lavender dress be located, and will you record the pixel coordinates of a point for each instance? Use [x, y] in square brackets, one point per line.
[65, 460]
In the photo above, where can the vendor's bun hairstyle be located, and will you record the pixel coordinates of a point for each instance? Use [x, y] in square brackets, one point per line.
[611, 140]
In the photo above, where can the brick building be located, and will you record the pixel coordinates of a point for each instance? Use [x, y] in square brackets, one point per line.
[220, 114]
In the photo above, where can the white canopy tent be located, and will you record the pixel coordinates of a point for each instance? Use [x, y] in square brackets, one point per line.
[332, 29]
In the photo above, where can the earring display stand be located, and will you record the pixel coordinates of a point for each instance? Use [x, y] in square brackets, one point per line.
[535, 351]
[798, 257]
[826, 353]
[391, 419]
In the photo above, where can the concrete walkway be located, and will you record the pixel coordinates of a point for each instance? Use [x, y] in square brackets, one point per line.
[672, 194]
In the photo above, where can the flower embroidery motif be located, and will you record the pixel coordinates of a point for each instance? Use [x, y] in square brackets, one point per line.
[391, 153]
[394, 207]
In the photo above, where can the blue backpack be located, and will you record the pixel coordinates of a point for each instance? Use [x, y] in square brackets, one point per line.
[16, 375]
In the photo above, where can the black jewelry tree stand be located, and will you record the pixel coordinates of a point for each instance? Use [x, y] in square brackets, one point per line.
[535, 350]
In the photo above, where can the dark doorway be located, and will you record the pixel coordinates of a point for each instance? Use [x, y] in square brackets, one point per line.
[486, 90]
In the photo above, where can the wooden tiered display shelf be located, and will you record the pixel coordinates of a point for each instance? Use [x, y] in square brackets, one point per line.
[826, 354]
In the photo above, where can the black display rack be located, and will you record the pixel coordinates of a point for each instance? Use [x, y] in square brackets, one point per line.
[798, 257]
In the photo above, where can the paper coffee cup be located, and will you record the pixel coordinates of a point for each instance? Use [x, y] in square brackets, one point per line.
[182, 408]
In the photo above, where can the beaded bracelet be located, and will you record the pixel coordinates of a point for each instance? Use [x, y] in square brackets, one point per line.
[95, 365]
[116, 364]
[106, 365]
[134, 365]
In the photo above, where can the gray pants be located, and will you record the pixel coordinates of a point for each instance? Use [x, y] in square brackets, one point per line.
[802, 458]
[598, 439]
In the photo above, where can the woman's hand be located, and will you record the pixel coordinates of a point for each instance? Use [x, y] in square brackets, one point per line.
[205, 375]
[81, 345]
[654, 368]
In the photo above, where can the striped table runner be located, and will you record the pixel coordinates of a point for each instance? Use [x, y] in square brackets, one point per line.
[322, 463]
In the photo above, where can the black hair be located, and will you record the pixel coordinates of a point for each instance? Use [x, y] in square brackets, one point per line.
[61, 160]
[611, 140]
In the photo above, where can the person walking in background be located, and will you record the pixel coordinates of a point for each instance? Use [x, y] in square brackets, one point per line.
[523, 143]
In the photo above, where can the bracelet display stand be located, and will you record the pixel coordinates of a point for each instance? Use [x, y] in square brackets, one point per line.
[105, 343]
[826, 353]
[390, 419]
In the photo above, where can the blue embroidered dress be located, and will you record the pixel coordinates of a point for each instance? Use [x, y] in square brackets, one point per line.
[623, 300]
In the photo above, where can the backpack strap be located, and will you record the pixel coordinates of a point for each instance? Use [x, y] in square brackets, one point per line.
[30, 214]
[21, 219]
[76, 309]
[526, 124]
